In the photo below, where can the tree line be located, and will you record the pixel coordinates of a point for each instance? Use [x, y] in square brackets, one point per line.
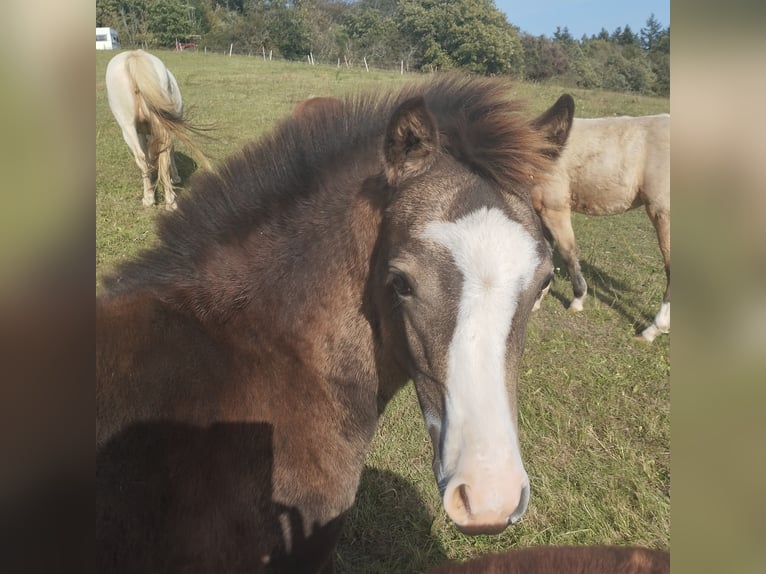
[414, 34]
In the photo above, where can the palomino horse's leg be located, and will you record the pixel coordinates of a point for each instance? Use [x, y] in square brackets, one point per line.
[661, 324]
[137, 144]
[559, 222]
[164, 174]
[146, 177]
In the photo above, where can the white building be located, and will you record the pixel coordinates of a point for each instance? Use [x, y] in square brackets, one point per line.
[107, 39]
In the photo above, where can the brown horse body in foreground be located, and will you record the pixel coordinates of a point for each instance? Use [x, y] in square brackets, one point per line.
[242, 363]
[610, 165]
[565, 560]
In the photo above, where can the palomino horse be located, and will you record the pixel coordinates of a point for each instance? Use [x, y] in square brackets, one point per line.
[610, 165]
[565, 560]
[243, 362]
[146, 102]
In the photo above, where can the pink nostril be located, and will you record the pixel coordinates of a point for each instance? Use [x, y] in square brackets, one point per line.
[462, 491]
[461, 505]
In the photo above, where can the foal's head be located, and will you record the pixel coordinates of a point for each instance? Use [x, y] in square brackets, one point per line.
[462, 262]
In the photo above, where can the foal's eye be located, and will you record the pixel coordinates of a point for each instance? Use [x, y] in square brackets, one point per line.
[400, 284]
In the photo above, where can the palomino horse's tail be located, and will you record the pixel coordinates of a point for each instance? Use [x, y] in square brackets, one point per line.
[158, 106]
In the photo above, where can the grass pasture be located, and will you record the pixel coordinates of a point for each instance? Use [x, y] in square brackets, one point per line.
[594, 403]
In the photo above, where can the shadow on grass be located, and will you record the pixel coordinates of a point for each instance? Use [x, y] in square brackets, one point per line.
[388, 530]
[612, 292]
[619, 296]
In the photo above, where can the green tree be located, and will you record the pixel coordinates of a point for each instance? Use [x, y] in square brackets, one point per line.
[617, 72]
[327, 36]
[628, 37]
[154, 22]
[167, 21]
[370, 33]
[603, 35]
[659, 60]
[651, 34]
[289, 31]
[198, 13]
[572, 65]
[472, 34]
[128, 17]
[255, 25]
[544, 58]
[656, 43]
[372, 30]
[225, 26]
[107, 13]
[562, 35]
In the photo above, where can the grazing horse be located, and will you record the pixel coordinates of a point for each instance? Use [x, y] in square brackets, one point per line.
[315, 104]
[243, 362]
[146, 102]
[565, 560]
[608, 166]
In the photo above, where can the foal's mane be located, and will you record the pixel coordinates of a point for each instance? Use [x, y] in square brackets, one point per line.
[479, 125]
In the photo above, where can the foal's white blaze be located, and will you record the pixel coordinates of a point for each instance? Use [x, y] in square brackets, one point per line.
[480, 459]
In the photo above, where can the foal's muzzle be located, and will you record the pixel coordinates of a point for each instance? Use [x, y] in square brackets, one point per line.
[485, 508]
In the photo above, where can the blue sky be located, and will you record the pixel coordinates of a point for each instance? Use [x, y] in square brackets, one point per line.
[582, 16]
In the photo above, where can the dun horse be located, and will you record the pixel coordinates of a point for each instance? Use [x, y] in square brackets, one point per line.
[146, 102]
[610, 165]
[242, 364]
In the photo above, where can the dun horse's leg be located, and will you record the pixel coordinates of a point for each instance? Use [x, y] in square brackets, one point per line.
[539, 300]
[544, 292]
[560, 225]
[661, 324]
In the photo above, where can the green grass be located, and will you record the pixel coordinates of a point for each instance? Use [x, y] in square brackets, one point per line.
[594, 410]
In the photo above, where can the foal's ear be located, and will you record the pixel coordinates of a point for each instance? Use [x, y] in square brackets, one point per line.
[556, 122]
[412, 139]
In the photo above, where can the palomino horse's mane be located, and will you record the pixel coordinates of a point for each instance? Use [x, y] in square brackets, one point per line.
[479, 125]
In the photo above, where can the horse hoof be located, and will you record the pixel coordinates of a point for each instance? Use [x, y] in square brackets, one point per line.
[171, 206]
[651, 332]
[575, 306]
[176, 179]
[147, 203]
